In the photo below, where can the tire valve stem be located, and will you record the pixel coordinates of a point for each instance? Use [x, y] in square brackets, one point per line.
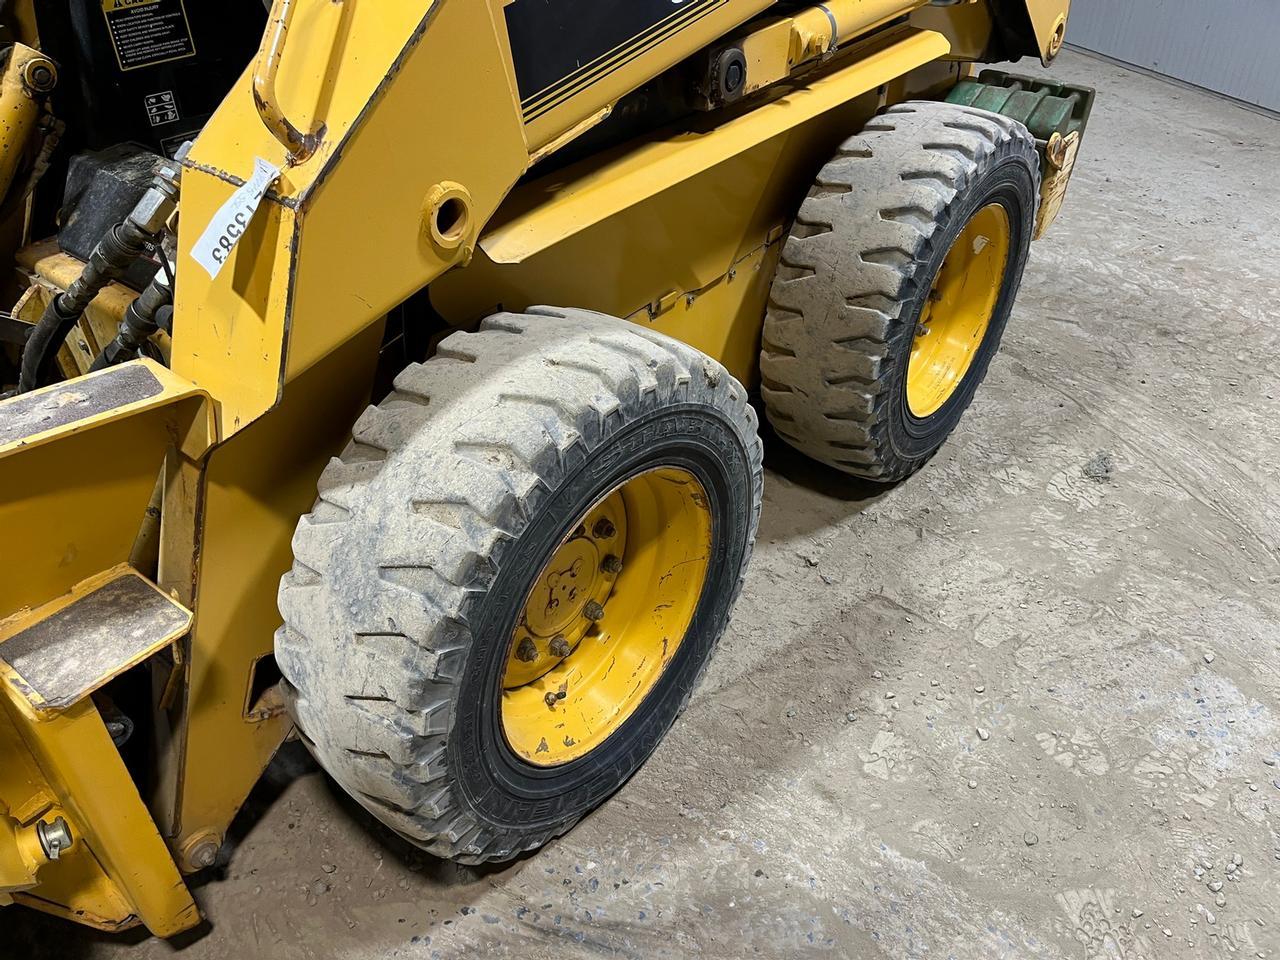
[593, 611]
[559, 647]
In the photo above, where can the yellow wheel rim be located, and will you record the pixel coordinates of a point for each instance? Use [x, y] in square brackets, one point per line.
[958, 312]
[605, 616]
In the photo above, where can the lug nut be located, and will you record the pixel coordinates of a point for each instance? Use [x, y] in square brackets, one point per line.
[593, 610]
[527, 651]
[559, 647]
[604, 528]
[612, 564]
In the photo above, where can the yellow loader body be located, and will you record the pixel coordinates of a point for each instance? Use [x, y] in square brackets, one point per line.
[147, 509]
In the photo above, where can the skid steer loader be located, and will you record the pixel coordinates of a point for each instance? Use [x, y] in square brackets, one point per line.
[233, 229]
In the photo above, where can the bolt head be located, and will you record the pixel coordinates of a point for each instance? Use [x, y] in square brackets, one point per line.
[527, 651]
[593, 610]
[612, 564]
[40, 76]
[559, 647]
[200, 851]
[604, 528]
[54, 837]
[205, 854]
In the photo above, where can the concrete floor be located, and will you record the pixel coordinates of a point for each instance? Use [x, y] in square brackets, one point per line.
[1023, 705]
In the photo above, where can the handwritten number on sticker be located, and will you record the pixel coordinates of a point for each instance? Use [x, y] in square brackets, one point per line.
[229, 224]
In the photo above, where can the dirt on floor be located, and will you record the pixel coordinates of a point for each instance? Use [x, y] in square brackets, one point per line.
[1022, 705]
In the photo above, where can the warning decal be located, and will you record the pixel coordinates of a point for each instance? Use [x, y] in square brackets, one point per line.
[162, 108]
[147, 32]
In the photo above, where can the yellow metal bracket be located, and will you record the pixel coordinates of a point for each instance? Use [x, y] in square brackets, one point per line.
[26, 78]
[779, 47]
[1049, 25]
[78, 465]
[117, 871]
[681, 227]
[1060, 161]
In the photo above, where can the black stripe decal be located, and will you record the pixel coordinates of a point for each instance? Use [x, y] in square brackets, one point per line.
[559, 47]
[619, 55]
[570, 89]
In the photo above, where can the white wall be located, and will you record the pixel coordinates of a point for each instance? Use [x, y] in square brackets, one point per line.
[1231, 46]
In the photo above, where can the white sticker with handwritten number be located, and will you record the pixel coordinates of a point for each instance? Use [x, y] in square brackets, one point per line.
[213, 249]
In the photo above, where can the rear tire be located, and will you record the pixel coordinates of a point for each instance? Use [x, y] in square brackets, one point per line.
[412, 571]
[857, 274]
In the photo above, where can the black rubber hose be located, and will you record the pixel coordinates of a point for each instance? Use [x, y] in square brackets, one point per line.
[110, 260]
[164, 318]
[140, 321]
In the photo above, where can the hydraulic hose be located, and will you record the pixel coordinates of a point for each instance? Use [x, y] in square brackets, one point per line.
[141, 320]
[110, 260]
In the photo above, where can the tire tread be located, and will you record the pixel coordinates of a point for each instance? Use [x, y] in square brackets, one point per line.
[442, 477]
[831, 335]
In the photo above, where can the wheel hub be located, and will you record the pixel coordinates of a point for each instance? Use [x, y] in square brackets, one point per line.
[955, 317]
[556, 615]
[605, 616]
[572, 577]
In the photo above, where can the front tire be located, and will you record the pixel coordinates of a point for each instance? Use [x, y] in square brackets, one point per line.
[444, 664]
